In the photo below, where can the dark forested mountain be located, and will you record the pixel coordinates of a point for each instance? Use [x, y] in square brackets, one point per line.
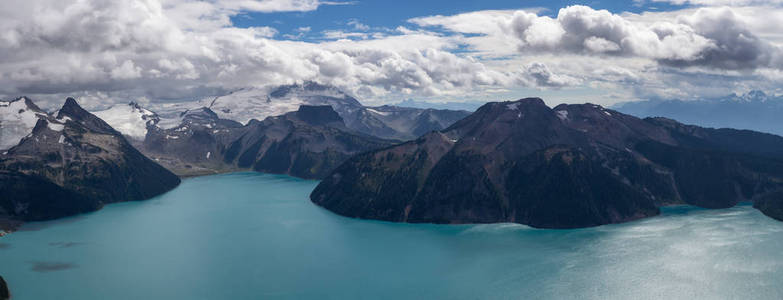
[73, 162]
[754, 110]
[571, 166]
[307, 143]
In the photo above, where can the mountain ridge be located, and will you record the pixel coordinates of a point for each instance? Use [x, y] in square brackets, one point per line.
[564, 167]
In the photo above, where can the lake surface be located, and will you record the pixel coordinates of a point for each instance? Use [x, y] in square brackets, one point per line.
[256, 236]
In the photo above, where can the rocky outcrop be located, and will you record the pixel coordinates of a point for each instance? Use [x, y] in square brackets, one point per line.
[567, 167]
[4, 293]
[73, 163]
[307, 143]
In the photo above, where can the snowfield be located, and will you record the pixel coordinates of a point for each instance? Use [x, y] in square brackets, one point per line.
[130, 119]
[260, 103]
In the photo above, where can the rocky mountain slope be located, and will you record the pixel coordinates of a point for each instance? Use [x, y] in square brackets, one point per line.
[567, 167]
[754, 110]
[74, 162]
[306, 143]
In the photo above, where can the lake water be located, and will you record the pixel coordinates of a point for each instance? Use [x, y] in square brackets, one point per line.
[256, 236]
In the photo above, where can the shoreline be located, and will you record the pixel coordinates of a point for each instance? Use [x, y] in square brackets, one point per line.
[9, 226]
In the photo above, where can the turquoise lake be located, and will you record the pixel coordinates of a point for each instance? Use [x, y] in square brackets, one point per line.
[257, 236]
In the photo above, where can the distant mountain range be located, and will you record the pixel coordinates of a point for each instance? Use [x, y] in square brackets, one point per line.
[470, 106]
[274, 131]
[389, 122]
[754, 111]
[567, 167]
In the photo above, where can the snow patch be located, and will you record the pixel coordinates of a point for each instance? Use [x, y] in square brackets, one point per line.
[171, 137]
[562, 115]
[513, 106]
[209, 154]
[382, 113]
[55, 126]
[61, 140]
[607, 113]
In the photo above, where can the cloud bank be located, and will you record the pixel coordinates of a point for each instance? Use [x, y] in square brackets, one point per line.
[161, 50]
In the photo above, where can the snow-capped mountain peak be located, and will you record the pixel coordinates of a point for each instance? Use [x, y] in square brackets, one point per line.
[752, 96]
[17, 119]
[259, 103]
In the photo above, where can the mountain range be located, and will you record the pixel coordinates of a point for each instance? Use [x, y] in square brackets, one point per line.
[520, 161]
[242, 106]
[567, 167]
[73, 161]
[276, 131]
[754, 110]
[306, 143]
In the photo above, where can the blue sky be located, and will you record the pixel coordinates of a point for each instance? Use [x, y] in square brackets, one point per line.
[391, 14]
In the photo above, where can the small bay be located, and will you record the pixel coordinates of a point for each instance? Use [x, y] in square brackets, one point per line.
[257, 236]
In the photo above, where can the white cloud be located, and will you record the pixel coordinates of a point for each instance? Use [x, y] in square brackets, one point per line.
[276, 5]
[358, 25]
[721, 2]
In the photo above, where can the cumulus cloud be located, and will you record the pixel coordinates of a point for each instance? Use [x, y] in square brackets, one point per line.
[708, 37]
[541, 74]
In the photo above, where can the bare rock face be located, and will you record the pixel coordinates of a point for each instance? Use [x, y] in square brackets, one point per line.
[567, 167]
[74, 163]
[308, 143]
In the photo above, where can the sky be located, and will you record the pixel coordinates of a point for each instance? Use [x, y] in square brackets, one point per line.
[105, 52]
